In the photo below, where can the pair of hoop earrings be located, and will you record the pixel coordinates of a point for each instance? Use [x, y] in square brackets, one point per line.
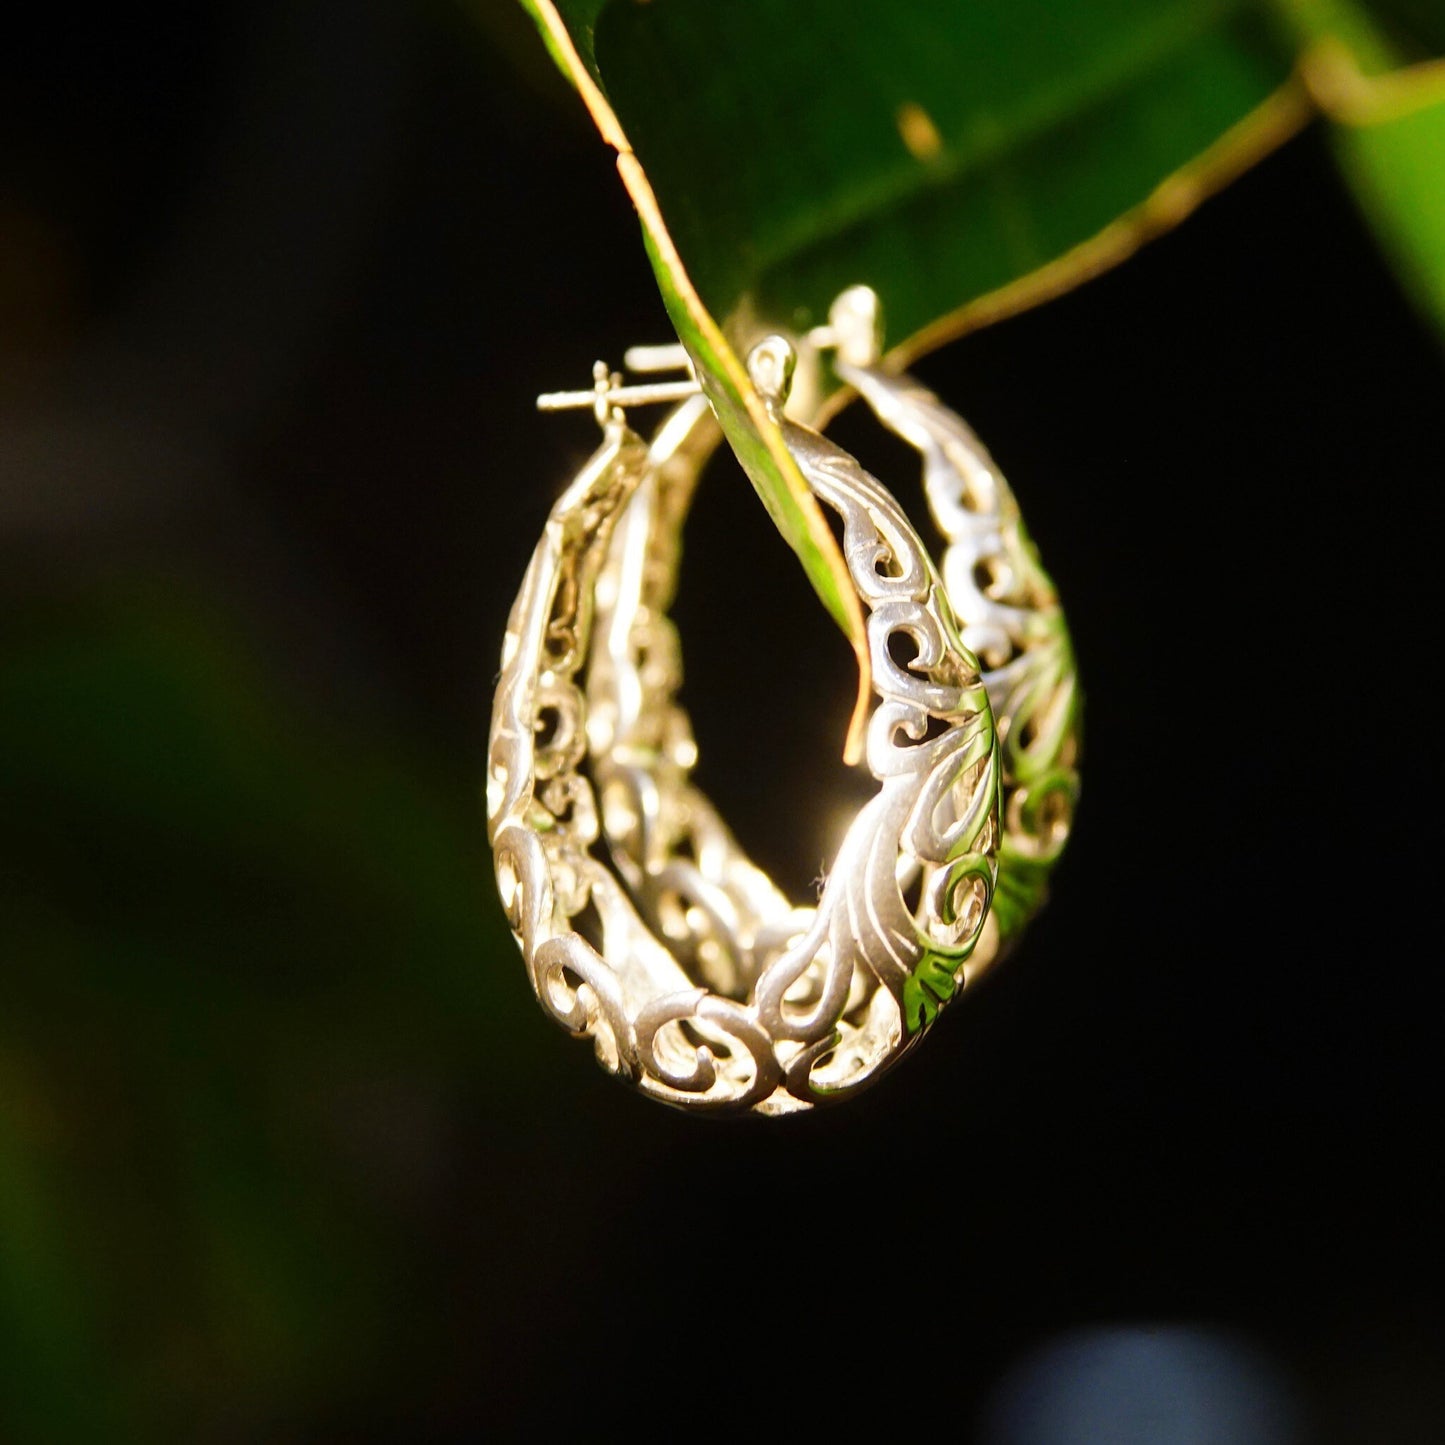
[642, 922]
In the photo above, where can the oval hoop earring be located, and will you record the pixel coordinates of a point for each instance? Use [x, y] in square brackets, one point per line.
[796, 1005]
[1010, 612]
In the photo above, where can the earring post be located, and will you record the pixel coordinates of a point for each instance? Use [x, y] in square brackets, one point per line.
[649, 395]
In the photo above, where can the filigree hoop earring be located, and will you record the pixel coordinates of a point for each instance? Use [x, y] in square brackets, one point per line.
[1008, 607]
[814, 1002]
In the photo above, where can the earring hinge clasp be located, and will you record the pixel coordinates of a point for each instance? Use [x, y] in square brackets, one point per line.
[608, 391]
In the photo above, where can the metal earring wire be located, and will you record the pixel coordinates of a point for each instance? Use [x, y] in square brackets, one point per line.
[734, 998]
[1009, 609]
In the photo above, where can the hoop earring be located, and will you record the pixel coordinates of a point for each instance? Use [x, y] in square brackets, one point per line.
[828, 996]
[1010, 612]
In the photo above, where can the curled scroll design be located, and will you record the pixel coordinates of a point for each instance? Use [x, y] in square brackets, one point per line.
[931, 742]
[694, 975]
[728, 1036]
[1013, 621]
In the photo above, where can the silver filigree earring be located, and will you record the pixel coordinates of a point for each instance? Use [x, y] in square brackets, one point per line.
[729, 996]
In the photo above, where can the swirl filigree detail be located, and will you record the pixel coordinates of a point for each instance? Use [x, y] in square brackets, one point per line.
[1013, 621]
[729, 996]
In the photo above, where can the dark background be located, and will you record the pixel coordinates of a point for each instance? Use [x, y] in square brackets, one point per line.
[287, 1151]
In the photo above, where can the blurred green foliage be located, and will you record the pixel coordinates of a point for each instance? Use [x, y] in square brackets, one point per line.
[1395, 161]
[228, 935]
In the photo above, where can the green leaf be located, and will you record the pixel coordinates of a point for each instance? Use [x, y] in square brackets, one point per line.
[1395, 160]
[927, 989]
[225, 920]
[939, 151]
[1413, 29]
[942, 152]
[965, 160]
[1389, 125]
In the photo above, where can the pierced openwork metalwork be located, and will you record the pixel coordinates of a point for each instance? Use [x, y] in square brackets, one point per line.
[1013, 621]
[734, 997]
[643, 922]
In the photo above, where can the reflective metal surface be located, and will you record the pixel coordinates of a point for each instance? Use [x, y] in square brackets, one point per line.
[734, 998]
